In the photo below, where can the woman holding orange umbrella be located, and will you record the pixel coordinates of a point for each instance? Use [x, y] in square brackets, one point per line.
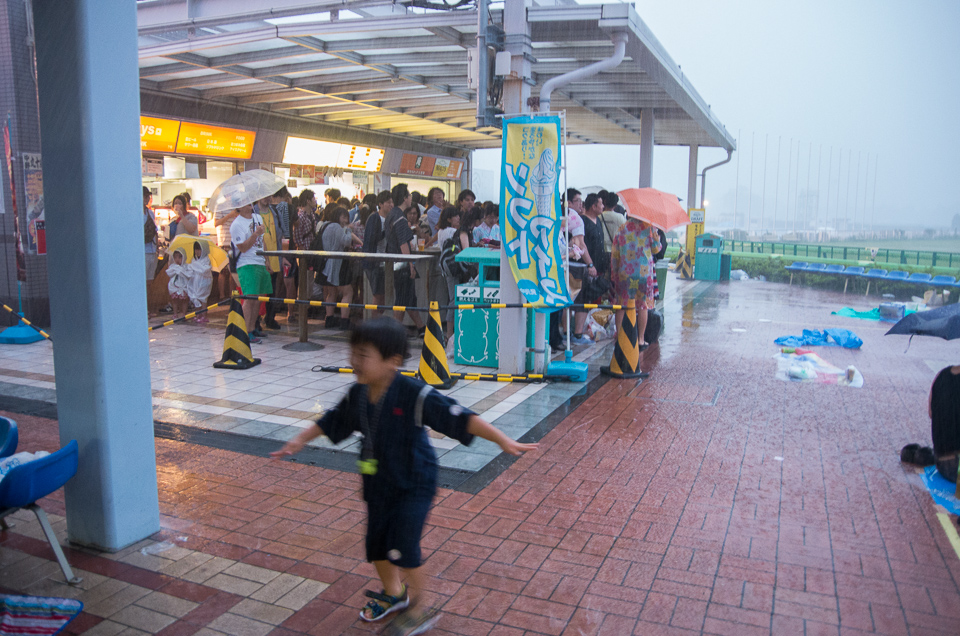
[631, 262]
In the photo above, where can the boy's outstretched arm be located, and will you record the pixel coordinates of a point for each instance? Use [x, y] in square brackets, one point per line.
[295, 445]
[486, 430]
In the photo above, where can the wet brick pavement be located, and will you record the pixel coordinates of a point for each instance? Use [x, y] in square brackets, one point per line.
[712, 499]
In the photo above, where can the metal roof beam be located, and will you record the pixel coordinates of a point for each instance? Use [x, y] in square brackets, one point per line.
[165, 69]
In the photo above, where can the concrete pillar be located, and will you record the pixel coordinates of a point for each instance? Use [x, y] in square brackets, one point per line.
[513, 322]
[646, 147]
[692, 201]
[89, 118]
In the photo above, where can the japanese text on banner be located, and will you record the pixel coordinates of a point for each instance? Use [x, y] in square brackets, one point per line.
[530, 204]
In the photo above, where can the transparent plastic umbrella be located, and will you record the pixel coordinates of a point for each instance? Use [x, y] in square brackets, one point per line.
[244, 189]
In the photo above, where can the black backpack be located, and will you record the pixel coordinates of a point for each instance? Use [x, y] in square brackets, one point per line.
[448, 261]
[317, 263]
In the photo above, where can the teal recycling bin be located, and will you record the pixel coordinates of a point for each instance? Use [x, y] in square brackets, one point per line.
[709, 249]
[477, 331]
[725, 260]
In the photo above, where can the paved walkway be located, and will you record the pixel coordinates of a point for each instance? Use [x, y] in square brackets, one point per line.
[712, 498]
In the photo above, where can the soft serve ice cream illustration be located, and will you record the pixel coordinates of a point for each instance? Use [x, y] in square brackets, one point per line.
[543, 182]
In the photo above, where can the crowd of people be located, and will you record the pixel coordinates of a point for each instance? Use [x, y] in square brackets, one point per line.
[611, 254]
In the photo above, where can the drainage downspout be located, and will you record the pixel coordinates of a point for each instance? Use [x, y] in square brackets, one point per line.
[703, 177]
[620, 41]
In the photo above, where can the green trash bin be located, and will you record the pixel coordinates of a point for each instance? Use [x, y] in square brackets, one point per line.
[662, 267]
[725, 260]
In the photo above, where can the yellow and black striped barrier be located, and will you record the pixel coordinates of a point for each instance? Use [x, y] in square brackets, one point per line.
[483, 377]
[192, 314]
[685, 266]
[625, 362]
[433, 357]
[29, 324]
[236, 342]
[400, 308]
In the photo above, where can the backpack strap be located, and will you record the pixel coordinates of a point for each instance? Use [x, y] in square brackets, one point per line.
[418, 409]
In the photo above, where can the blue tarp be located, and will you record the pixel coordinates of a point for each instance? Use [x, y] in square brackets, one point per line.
[826, 338]
[941, 490]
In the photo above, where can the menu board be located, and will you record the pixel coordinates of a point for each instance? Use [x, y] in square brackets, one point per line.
[331, 154]
[215, 141]
[158, 135]
[430, 166]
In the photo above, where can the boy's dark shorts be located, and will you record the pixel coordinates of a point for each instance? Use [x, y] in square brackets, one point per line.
[394, 529]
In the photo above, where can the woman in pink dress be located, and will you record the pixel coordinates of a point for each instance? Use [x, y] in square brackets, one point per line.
[631, 269]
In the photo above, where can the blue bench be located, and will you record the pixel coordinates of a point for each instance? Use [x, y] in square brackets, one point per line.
[920, 278]
[798, 266]
[23, 485]
[816, 268]
[851, 271]
[897, 276]
[833, 269]
[874, 274]
[942, 280]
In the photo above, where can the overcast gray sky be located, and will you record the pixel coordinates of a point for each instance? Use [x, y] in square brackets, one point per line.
[879, 77]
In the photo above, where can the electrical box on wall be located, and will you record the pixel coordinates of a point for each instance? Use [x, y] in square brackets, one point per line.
[502, 65]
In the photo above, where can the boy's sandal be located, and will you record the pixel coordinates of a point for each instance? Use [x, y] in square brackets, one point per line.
[409, 625]
[387, 604]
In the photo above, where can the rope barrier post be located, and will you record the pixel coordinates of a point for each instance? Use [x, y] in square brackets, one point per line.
[304, 288]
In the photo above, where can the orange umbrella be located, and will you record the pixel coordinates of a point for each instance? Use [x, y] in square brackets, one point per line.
[660, 209]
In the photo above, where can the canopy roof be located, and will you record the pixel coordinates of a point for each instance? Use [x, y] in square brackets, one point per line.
[398, 69]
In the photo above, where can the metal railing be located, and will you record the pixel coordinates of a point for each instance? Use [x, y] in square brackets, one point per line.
[846, 253]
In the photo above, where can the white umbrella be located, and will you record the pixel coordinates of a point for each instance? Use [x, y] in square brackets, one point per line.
[243, 189]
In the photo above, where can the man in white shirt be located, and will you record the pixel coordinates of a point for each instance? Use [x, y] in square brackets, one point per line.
[247, 236]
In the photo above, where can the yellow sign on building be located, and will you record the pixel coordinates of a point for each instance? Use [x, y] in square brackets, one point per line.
[694, 230]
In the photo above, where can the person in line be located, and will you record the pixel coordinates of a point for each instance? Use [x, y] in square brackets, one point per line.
[306, 225]
[437, 203]
[465, 200]
[398, 236]
[178, 280]
[597, 260]
[181, 212]
[247, 232]
[200, 280]
[578, 250]
[612, 220]
[375, 242]
[446, 237]
[227, 278]
[489, 230]
[271, 242]
[632, 272]
[397, 463]
[149, 243]
[337, 274]
[282, 209]
[330, 195]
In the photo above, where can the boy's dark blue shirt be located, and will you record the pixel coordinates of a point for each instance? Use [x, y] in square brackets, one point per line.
[406, 463]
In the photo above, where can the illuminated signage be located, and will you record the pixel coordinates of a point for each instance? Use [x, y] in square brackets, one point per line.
[313, 152]
[201, 139]
[158, 135]
[430, 166]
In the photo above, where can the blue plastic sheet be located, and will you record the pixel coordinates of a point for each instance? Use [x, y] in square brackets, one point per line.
[941, 490]
[826, 338]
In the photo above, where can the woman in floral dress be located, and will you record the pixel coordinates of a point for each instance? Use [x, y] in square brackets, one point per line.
[631, 269]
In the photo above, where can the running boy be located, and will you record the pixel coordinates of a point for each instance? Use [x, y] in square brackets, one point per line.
[397, 462]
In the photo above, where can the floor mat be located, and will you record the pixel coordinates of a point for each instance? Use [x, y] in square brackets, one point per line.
[36, 614]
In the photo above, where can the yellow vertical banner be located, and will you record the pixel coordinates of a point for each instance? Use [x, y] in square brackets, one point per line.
[530, 208]
[694, 230]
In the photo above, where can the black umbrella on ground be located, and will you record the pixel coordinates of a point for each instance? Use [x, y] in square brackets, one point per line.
[943, 322]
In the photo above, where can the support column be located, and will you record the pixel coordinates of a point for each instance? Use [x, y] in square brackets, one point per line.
[646, 147]
[692, 202]
[516, 91]
[89, 118]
